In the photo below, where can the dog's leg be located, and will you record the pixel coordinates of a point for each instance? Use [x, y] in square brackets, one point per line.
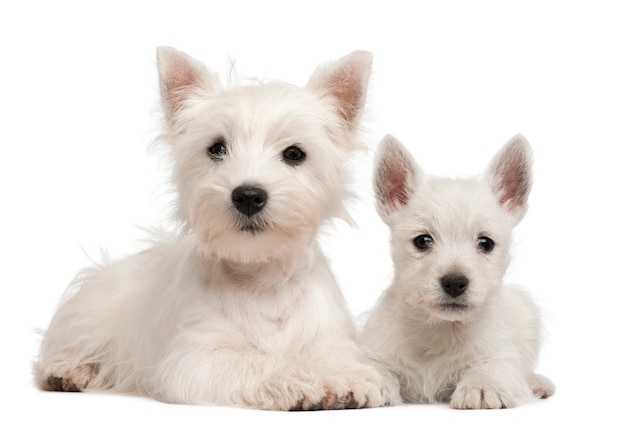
[541, 386]
[480, 396]
[225, 369]
[350, 379]
[236, 375]
[496, 384]
[66, 377]
[76, 344]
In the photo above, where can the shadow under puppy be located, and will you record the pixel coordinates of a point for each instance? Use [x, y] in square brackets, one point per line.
[447, 327]
[240, 306]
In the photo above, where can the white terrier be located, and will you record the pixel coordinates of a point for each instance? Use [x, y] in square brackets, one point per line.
[240, 307]
[446, 327]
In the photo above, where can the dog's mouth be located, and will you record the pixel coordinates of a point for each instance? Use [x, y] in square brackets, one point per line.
[251, 228]
[453, 307]
[452, 311]
[255, 225]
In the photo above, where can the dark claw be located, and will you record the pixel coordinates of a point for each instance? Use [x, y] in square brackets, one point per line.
[352, 404]
[55, 383]
[58, 384]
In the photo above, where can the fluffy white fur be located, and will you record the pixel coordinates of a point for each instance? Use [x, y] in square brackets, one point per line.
[477, 349]
[234, 309]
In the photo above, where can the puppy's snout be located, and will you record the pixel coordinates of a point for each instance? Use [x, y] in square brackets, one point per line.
[454, 284]
[249, 199]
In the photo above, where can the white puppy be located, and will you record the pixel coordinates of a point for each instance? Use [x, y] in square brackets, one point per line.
[447, 327]
[240, 306]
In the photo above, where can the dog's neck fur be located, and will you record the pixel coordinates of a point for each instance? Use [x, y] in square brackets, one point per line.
[426, 336]
[266, 275]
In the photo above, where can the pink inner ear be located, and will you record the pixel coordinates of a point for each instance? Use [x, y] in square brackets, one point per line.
[394, 192]
[178, 78]
[345, 86]
[513, 185]
[508, 189]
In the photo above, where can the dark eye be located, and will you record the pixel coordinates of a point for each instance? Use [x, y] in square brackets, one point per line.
[485, 244]
[423, 242]
[217, 150]
[293, 155]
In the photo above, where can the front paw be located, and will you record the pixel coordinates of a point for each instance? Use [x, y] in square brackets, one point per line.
[385, 390]
[541, 386]
[480, 397]
[364, 387]
[330, 400]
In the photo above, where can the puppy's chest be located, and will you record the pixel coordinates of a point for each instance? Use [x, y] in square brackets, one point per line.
[274, 317]
[275, 311]
[437, 359]
[273, 314]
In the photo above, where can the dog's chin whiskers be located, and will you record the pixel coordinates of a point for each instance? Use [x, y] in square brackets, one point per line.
[453, 307]
[254, 229]
[252, 226]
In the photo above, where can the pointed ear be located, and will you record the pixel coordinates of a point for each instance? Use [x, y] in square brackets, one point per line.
[396, 175]
[345, 80]
[510, 176]
[181, 76]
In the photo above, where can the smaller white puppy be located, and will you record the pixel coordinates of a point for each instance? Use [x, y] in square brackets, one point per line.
[447, 327]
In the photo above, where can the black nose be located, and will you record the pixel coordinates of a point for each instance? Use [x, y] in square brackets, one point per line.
[454, 284]
[249, 200]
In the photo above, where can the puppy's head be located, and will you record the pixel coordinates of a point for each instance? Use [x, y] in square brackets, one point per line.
[450, 238]
[258, 168]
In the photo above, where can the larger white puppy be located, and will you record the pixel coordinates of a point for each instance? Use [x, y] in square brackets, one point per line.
[240, 307]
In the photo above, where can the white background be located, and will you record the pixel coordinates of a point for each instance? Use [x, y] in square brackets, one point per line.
[453, 81]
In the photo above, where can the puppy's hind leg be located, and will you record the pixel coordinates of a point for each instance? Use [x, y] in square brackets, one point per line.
[541, 386]
[73, 349]
[66, 377]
